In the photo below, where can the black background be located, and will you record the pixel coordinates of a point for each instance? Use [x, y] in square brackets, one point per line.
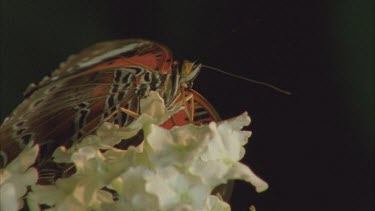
[315, 147]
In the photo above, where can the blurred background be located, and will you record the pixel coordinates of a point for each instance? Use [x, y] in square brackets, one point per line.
[315, 148]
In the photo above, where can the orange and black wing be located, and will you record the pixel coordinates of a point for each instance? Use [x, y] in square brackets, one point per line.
[82, 93]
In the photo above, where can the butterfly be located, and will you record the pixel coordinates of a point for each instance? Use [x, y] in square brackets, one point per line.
[95, 86]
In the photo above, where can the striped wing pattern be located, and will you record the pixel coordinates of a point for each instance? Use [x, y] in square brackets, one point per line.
[83, 92]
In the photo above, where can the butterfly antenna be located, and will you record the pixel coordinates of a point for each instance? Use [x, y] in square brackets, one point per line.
[250, 80]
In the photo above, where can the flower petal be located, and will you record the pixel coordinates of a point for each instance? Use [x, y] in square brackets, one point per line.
[243, 172]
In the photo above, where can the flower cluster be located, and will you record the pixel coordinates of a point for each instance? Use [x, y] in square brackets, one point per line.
[174, 169]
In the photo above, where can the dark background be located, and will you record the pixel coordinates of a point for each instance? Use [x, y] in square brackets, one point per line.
[315, 147]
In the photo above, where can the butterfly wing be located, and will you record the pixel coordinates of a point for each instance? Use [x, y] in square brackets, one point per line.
[132, 52]
[82, 93]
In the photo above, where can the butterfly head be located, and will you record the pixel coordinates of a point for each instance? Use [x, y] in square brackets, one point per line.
[188, 73]
[181, 77]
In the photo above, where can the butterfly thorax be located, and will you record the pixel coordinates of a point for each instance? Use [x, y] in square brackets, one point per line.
[178, 80]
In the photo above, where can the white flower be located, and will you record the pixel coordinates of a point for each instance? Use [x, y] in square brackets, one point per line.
[81, 190]
[211, 152]
[178, 146]
[220, 160]
[213, 203]
[174, 188]
[16, 177]
[174, 169]
[132, 192]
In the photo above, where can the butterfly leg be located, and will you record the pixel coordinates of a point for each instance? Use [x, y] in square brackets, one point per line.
[129, 112]
[126, 111]
[185, 99]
